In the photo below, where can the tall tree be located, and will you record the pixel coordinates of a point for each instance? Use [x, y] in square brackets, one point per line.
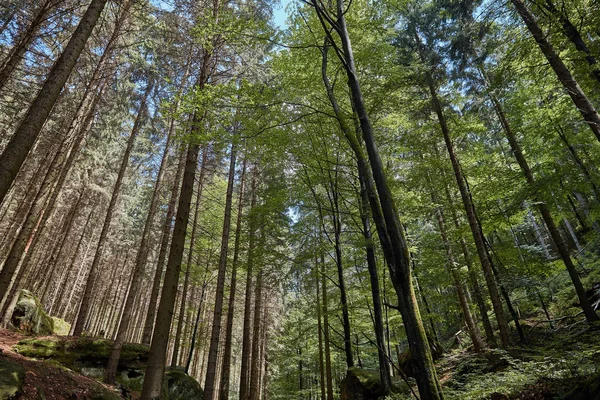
[27, 132]
[92, 274]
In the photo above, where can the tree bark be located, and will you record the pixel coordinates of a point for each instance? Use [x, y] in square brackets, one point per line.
[244, 392]
[384, 366]
[152, 388]
[385, 214]
[89, 284]
[25, 135]
[186, 280]
[213, 352]
[585, 107]
[256, 342]
[162, 253]
[226, 368]
[561, 246]
[472, 218]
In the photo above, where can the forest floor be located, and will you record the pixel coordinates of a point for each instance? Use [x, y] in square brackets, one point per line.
[50, 381]
[554, 364]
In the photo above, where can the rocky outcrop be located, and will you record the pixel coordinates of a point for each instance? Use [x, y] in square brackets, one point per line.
[89, 356]
[181, 386]
[29, 315]
[361, 384]
[12, 376]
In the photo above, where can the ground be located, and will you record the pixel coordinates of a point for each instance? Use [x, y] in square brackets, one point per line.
[43, 380]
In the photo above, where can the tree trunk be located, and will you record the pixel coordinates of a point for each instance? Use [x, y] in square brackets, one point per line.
[152, 388]
[25, 135]
[162, 253]
[256, 342]
[472, 329]
[477, 291]
[333, 196]
[585, 107]
[213, 352]
[226, 368]
[244, 392]
[384, 366]
[17, 52]
[322, 383]
[561, 246]
[10, 270]
[472, 218]
[573, 34]
[176, 344]
[89, 285]
[328, 370]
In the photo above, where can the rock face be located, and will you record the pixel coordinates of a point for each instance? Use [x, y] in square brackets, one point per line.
[89, 356]
[11, 379]
[181, 386]
[29, 315]
[360, 384]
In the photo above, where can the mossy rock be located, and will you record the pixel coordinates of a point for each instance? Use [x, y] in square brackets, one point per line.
[181, 386]
[83, 352]
[61, 327]
[361, 384]
[29, 315]
[12, 376]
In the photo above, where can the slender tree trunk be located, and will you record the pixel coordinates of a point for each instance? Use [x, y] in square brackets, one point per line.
[17, 52]
[472, 329]
[69, 268]
[10, 270]
[384, 366]
[152, 388]
[337, 231]
[247, 330]
[66, 231]
[256, 342]
[89, 285]
[213, 352]
[561, 246]
[573, 34]
[477, 291]
[384, 211]
[25, 135]
[226, 368]
[328, 369]
[162, 253]
[472, 218]
[585, 107]
[176, 344]
[322, 383]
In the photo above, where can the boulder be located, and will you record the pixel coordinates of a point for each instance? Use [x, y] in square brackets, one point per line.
[181, 386]
[12, 376]
[61, 327]
[361, 384]
[29, 315]
[89, 356]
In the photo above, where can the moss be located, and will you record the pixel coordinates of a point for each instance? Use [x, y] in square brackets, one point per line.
[29, 315]
[61, 327]
[84, 350]
[12, 376]
[181, 386]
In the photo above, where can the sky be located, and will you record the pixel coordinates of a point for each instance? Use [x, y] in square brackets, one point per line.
[279, 13]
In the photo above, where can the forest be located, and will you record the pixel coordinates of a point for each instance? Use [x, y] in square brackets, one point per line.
[307, 199]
